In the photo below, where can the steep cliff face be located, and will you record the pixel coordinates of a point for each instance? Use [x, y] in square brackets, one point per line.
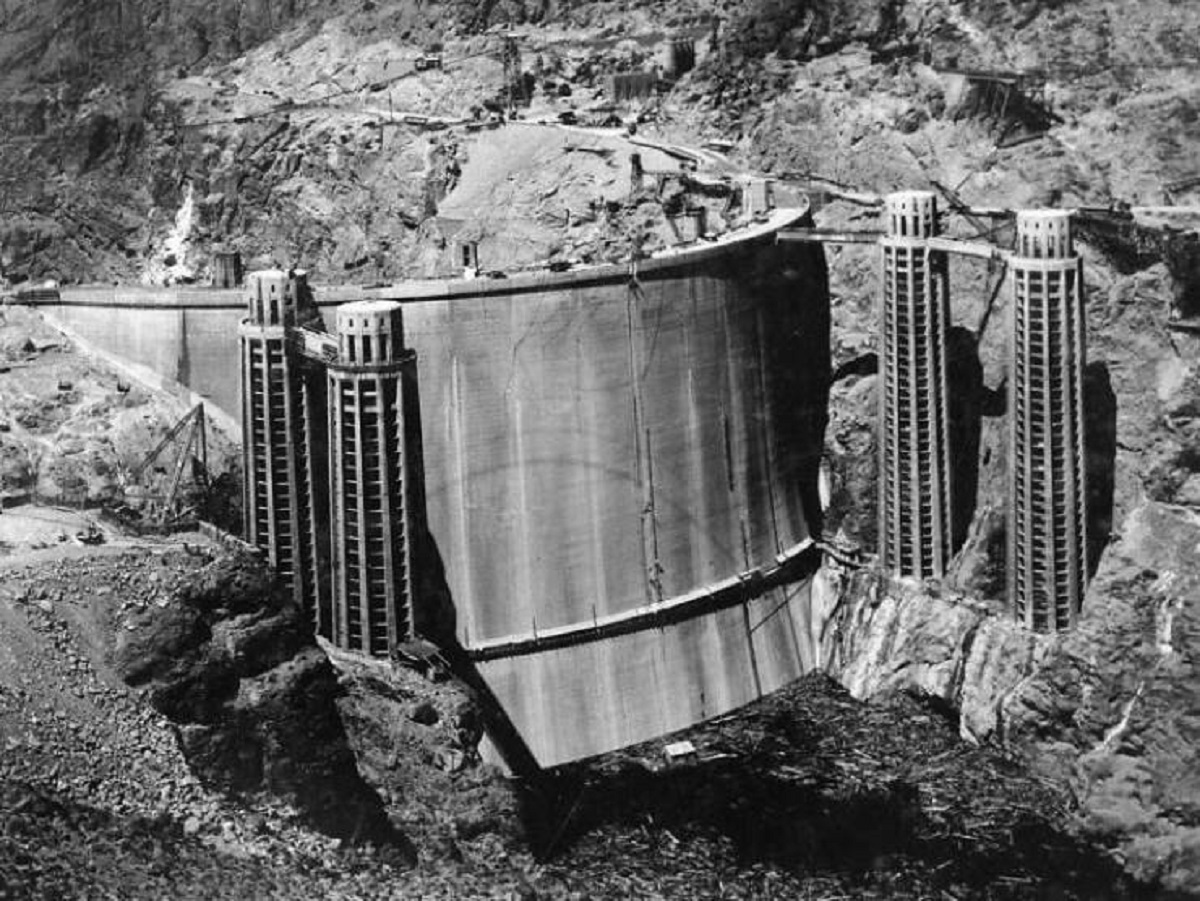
[1108, 709]
[889, 635]
[265, 125]
[68, 43]
[1116, 709]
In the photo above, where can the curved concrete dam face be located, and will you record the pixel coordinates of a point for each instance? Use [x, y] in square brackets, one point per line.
[596, 453]
[620, 479]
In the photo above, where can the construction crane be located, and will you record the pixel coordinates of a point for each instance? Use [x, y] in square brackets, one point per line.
[194, 446]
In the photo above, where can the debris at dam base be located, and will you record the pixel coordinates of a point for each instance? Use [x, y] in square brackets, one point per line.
[809, 792]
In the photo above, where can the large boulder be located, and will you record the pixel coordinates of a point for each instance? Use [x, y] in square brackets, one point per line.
[230, 660]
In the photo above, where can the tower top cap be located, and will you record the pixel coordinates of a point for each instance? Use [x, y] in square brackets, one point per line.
[911, 214]
[1044, 234]
[914, 197]
[362, 317]
[370, 332]
[367, 308]
[266, 274]
[271, 297]
[1042, 215]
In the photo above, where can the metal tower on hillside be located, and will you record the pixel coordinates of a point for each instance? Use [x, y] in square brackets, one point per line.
[914, 448]
[375, 478]
[510, 58]
[1047, 492]
[280, 512]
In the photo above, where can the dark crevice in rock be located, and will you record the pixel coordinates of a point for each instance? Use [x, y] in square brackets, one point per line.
[1100, 448]
[968, 644]
[864, 364]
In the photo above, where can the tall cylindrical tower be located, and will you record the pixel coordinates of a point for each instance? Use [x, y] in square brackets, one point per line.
[278, 509]
[374, 467]
[1047, 510]
[914, 445]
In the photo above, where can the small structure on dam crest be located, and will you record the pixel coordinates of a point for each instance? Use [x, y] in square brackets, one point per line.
[227, 269]
[914, 447]
[1047, 510]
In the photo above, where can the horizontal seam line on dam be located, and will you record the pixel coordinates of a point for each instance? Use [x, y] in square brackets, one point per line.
[800, 562]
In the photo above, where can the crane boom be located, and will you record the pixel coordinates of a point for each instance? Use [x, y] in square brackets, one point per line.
[138, 471]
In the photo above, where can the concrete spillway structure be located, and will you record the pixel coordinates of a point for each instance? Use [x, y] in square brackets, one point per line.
[1047, 509]
[374, 466]
[914, 440]
[283, 472]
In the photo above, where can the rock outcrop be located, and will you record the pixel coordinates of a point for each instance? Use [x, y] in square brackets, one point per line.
[416, 741]
[233, 665]
[1109, 709]
[889, 635]
[1116, 708]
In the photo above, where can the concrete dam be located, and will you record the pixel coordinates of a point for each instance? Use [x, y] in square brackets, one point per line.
[619, 463]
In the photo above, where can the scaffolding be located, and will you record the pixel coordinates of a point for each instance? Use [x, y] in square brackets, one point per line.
[192, 449]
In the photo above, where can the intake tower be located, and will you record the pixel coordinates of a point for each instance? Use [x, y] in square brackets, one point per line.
[914, 447]
[1047, 511]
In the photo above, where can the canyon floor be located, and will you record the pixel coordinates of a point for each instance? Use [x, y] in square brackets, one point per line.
[809, 794]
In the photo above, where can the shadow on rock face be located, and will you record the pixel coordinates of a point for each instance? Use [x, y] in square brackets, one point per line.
[965, 406]
[1100, 448]
[233, 665]
[767, 818]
